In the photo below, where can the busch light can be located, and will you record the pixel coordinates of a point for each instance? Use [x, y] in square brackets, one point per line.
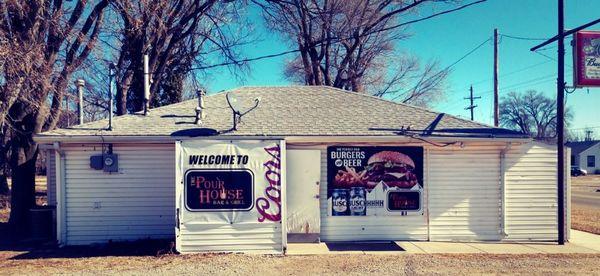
[339, 202]
[358, 201]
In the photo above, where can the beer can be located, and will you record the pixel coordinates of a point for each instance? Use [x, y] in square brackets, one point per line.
[358, 201]
[339, 202]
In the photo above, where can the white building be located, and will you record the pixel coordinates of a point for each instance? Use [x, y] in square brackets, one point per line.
[586, 155]
[303, 166]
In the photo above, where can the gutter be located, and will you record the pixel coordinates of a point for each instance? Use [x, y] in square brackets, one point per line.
[59, 161]
[289, 139]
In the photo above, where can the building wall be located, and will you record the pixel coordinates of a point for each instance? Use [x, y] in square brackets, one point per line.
[462, 191]
[465, 194]
[137, 202]
[593, 151]
[531, 195]
[355, 228]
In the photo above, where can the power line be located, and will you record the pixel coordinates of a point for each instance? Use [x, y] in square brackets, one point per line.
[487, 93]
[453, 63]
[584, 128]
[522, 38]
[340, 39]
[515, 71]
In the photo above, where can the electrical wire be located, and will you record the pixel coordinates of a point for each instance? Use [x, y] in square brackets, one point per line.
[523, 38]
[510, 73]
[454, 63]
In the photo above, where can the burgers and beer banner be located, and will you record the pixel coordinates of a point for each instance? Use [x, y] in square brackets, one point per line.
[374, 181]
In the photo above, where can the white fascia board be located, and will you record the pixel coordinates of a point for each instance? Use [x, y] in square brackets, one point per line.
[289, 139]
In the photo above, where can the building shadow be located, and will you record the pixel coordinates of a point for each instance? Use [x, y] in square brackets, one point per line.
[147, 247]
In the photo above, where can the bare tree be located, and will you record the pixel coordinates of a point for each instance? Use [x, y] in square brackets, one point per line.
[531, 113]
[351, 45]
[175, 34]
[42, 43]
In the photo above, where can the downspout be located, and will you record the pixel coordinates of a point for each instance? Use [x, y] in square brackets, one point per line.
[503, 189]
[59, 160]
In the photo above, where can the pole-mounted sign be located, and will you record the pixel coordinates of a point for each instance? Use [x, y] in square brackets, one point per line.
[587, 59]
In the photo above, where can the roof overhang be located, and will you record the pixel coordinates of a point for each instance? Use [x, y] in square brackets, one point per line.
[289, 139]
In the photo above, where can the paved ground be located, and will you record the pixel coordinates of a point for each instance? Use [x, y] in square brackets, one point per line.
[580, 242]
[585, 191]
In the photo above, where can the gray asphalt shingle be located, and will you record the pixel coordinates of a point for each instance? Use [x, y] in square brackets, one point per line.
[288, 111]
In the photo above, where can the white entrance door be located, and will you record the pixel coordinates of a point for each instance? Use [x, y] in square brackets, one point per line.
[303, 176]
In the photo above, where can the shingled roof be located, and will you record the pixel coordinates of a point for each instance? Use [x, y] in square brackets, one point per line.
[291, 111]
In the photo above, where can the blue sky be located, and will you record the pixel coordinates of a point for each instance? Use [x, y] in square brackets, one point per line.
[449, 37]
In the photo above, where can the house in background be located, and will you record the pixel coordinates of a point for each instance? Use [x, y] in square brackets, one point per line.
[586, 155]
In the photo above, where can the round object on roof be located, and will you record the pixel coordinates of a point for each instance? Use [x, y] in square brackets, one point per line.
[196, 132]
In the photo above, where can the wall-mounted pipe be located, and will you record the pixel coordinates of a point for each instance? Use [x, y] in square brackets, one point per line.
[80, 84]
[146, 85]
[111, 76]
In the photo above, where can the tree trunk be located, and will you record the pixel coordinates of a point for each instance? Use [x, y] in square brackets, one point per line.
[23, 186]
[3, 184]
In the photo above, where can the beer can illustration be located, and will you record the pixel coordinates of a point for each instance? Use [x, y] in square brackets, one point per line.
[339, 202]
[358, 201]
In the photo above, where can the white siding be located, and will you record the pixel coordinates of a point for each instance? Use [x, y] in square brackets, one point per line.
[531, 199]
[51, 177]
[215, 231]
[464, 193]
[246, 237]
[462, 188]
[135, 203]
[412, 227]
[592, 151]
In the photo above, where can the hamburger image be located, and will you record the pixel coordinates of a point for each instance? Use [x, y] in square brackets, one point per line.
[395, 169]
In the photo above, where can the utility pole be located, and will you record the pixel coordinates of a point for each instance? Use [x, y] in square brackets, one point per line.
[588, 135]
[471, 106]
[560, 111]
[560, 123]
[496, 110]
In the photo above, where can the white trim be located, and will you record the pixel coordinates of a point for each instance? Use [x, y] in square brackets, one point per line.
[426, 184]
[283, 181]
[503, 189]
[61, 227]
[288, 139]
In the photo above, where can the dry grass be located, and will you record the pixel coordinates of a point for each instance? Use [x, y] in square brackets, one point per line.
[234, 264]
[585, 217]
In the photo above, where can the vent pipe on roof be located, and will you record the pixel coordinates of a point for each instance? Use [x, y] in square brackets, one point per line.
[80, 84]
[200, 108]
[111, 75]
[146, 85]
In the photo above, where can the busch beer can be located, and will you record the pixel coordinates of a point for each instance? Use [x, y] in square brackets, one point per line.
[358, 201]
[339, 202]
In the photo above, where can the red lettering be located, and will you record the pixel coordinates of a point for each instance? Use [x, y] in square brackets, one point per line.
[204, 196]
[269, 208]
[263, 205]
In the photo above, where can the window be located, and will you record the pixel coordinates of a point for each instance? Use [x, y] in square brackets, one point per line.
[591, 161]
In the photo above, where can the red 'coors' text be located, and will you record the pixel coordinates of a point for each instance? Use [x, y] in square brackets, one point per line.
[269, 207]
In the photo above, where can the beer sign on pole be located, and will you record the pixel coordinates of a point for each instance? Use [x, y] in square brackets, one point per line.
[586, 55]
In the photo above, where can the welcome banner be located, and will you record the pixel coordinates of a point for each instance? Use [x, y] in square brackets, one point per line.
[230, 181]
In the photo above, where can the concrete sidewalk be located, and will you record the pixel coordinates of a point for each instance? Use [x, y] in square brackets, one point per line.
[580, 242]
